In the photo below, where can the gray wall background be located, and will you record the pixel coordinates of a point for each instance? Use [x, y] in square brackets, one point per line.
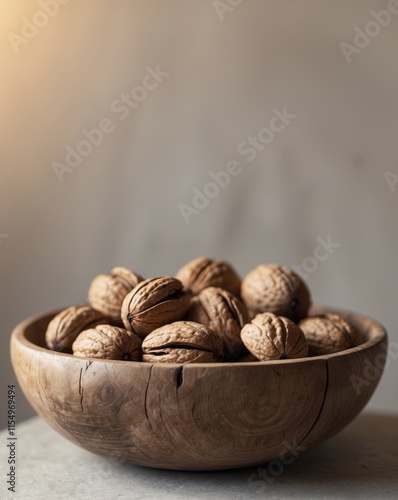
[323, 175]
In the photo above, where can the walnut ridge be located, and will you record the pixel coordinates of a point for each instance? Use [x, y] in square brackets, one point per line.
[154, 303]
[182, 342]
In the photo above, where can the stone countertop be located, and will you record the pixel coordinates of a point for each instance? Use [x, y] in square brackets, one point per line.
[360, 462]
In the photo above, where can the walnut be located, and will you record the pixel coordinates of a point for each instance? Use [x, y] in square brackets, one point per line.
[182, 342]
[66, 326]
[270, 337]
[107, 342]
[276, 289]
[223, 313]
[107, 291]
[328, 333]
[203, 272]
[154, 303]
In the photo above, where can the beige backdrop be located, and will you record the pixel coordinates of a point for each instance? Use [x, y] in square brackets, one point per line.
[202, 78]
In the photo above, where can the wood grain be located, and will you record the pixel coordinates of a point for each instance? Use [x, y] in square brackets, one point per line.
[193, 417]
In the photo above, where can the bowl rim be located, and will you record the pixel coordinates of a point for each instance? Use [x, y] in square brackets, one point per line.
[379, 336]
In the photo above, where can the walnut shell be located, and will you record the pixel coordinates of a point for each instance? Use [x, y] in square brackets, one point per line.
[66, 326]
[203, 272]
[276, 289]
[182, 342]
[154, 303]
[270, 337]
[107, 291]
[107, 342]
[223, 313]
[328, 333]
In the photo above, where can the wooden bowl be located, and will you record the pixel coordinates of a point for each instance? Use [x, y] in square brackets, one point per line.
[198, 416]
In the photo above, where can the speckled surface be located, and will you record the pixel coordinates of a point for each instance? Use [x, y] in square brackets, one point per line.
[360, 462]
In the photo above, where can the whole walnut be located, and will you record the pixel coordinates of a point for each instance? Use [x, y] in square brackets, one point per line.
[107, 291]
[204, 272]
[223, 313]
[277, 289]
[328, 333]
[182, 342]
[107, 342]
[153, 303]
[270, 337]
[66, 326]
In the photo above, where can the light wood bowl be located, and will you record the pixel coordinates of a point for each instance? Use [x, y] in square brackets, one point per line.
[198, 416]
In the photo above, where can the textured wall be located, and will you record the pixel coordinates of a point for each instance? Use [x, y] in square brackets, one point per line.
[221, 70]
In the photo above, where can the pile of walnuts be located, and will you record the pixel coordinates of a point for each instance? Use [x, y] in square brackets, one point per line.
[204, 314]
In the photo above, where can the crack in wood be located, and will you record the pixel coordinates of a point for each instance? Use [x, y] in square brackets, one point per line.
[81, 390]
[180, 378]
[320, 410]
[146, 399]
